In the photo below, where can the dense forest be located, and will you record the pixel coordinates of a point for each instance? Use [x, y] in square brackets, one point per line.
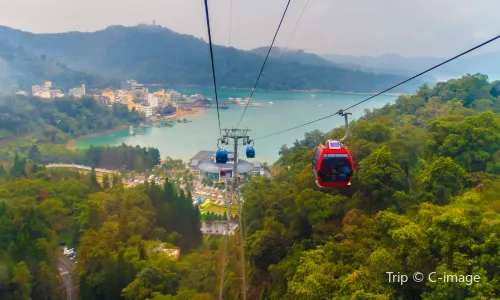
[122, 158]
[425, 197]
[118, 233]
[59, 119]
[21, 69]
[40, 128]
[119, 52]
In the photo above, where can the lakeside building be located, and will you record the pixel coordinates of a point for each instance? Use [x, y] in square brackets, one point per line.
[128, 85]
[78, 92]
[204, 163]
[45, 91]
[152, 100]
[146, 109]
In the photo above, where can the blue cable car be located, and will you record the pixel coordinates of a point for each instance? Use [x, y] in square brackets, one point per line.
[221, 156]
[250, 152]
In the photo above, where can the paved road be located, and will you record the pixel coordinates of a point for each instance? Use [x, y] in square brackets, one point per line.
[80, 167]
[65, 272]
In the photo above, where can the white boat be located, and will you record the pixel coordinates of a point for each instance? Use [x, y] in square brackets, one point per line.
[271, 103]
[320, 105]
[313, 96]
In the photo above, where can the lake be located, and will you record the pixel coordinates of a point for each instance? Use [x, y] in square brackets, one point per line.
[289, 109]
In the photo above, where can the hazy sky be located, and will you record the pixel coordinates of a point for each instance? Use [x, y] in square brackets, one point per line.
[358, 27]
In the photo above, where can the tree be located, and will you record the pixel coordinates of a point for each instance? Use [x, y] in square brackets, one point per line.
[22, 281]
[105, 182]
[379, 176]
[94, 185]
[443, 179]
[34, 154]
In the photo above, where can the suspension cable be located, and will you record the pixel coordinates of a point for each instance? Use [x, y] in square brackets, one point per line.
[229, 42]
[341, 111]
[265, 60]
[213, 66]
[294, 29]
[291, 36]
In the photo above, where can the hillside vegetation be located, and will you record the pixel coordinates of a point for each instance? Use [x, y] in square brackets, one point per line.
[425, 198]
[58, 119]
[22, 69]
[153, 54]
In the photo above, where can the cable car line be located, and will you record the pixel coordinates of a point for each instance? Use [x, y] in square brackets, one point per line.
[265, 60]
[341, 111]
[229, 41]
[291, 37]
[213, 67]
[295, 28]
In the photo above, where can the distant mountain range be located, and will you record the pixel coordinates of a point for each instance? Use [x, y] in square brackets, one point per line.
[153, 54]
[488, 63]
[338, 61]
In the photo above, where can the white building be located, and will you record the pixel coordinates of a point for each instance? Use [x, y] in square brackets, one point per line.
[153, 100]
[35, 90]
[78, 92]
[56, 93]
[147, 110]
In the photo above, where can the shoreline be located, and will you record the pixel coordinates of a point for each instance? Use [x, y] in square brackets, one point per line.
[70, 145]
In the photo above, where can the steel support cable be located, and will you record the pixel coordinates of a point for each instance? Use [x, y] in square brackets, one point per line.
[229, 42]
[265, 60]
[293, 33]
[294, 29]
[213, 66]
[340, 112]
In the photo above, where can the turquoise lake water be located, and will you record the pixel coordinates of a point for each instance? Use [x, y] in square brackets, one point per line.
[184, 140]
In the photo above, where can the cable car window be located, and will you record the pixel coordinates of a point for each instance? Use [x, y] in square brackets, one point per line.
[335, 169]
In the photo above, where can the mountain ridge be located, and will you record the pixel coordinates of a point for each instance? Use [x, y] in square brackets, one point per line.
[154, 54]
[21, 69]
[486, 63]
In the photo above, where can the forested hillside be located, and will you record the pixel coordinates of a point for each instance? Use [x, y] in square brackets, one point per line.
[22, 69]
[153, 54]
[58, 119]
[425, 198]
[116, 230]
[40, 128]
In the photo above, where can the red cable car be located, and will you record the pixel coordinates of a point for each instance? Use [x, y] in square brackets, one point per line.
[332, 163]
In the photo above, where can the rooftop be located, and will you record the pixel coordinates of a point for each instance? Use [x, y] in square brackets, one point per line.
[204, 160]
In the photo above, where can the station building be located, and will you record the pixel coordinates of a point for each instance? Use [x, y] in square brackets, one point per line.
[203, 163]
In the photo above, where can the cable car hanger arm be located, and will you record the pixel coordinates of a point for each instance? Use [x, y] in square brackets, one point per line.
[342, 113]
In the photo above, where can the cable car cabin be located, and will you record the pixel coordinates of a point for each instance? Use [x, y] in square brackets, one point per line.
[250, 152]
[332, 165]
[221, 156]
